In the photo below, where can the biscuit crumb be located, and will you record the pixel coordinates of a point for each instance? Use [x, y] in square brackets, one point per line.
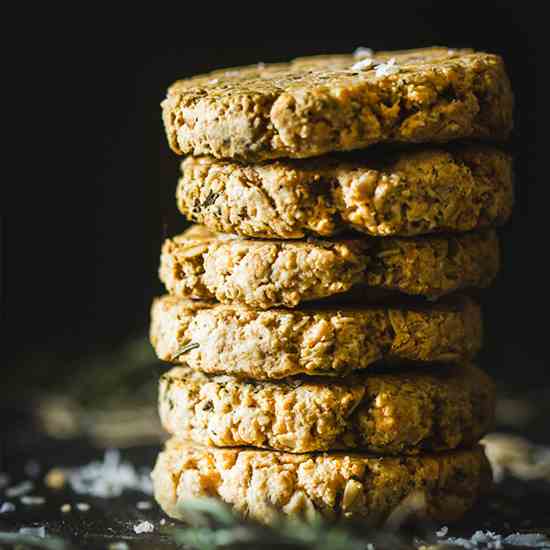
[55, 479]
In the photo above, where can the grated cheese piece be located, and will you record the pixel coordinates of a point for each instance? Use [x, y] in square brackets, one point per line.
[109, 478]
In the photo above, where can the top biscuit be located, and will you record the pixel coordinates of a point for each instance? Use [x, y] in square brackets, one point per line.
[315, 105]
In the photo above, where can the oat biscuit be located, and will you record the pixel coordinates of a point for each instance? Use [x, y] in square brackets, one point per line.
[405, 194]
[238, 340]
[261, 484]
[316, 105]
[405, 413]
[265, 274]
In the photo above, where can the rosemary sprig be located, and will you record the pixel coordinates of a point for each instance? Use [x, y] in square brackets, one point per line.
[210, 199]
[212, 525]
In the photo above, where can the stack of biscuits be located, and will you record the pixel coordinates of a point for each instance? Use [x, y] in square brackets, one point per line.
[320, 315]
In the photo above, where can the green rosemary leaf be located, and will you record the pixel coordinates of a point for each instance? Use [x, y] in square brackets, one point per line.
[186, 349]
[212, 508]
[210, 199]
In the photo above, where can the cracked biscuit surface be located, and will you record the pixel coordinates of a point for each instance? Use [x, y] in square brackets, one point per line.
[262, 484]
[265, 274]
[407, 193]
[402, 413]
[276, 343]
[320, 104]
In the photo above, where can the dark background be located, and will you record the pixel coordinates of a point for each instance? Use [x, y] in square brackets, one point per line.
[80, 250]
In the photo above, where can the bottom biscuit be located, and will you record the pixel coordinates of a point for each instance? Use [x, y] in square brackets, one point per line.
[261, 484]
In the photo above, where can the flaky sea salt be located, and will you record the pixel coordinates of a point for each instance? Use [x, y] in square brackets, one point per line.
[144, 527]
[7, 507]
[386, 69]
[20, 489]
[530, 540]
[362, 65]
[144, 505]
[363, 52]
[29, 500]
[488, 540]
[39, 532]
[109, 478]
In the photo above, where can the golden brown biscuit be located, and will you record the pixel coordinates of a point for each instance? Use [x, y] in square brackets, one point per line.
[266, 274]
[402, 413]
[315, 105]
[261, 484]
[395, 193]
[238, 340]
